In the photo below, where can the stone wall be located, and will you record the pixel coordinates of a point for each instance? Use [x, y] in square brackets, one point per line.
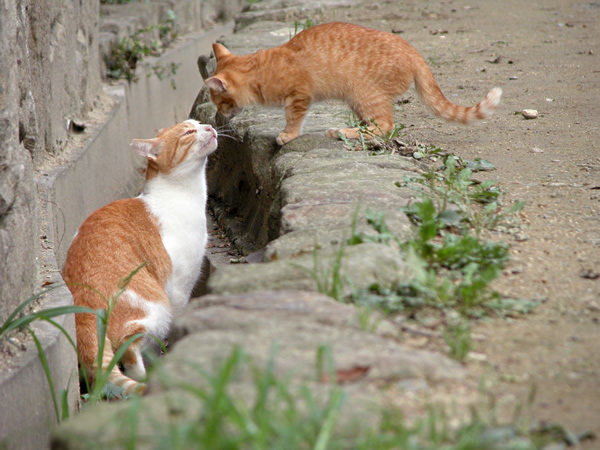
[53, 174]
[51, 63]
[49, 75]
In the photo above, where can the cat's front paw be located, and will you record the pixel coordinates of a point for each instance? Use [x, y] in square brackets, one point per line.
[284, 138]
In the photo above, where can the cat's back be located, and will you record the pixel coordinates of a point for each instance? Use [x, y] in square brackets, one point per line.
[112, 242]
[337, 55]
[345, 40]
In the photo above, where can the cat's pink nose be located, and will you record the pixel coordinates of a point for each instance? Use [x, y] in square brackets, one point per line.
[208, 129]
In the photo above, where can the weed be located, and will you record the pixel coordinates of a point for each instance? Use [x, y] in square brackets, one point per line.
[376, 221]
[455, 185]
[330, 280]
[452, 265]
[458, 338]
[129, 51]
[283, 413]
[367, 319]
[300, 26]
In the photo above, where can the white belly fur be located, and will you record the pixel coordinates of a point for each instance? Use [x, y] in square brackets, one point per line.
[182, 218]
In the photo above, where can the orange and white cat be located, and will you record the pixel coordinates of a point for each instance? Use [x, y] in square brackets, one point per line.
[366, 68]
[165, 227]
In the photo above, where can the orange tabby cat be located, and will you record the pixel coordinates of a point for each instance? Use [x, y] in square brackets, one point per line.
[165, 227]
[366, 68]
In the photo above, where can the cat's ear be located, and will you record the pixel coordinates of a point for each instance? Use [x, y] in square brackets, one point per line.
[148, 148]
[220, 51]
[216, 84]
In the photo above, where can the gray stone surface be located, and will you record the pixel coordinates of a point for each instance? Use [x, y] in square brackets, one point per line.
[286, 11]
[294, 324]
[362, 265]
[285, 327]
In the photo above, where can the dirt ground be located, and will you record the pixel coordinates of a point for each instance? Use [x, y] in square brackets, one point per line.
[545, 56]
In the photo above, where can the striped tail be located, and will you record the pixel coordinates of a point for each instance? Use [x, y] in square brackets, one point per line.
[116, 377]
[432, 96]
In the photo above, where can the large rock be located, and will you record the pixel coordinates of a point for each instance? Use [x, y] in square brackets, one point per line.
[361, 266]
[293, 325]
[291, 334]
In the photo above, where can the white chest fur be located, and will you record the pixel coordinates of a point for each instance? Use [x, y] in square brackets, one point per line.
[180, 209]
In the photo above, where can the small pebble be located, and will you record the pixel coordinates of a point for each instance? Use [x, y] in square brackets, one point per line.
[240, 260]
[413, 385]
[477, 357]
[530, 113]
[520, 237]
[592, 306]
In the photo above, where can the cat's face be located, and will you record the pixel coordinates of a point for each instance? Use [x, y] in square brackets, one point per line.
[182, 147]
[226, 86]
[222, 94]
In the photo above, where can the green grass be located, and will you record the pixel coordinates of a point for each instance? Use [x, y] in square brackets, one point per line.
[278, 412]
[474, 203]
[328, 278]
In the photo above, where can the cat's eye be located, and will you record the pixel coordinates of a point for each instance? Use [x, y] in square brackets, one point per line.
[188, 132]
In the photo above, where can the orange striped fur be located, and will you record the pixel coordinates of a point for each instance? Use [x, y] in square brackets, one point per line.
[153, 228]
[366, 68]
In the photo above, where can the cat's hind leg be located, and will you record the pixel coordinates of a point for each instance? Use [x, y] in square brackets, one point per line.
[376, 116]
[132, 359]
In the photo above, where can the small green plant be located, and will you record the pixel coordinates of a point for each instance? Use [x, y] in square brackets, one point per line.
[18, 320]
[284, 413]
[328, 280]
[128, 52]
[454, 185]
[299, 25]
[452, 265]
[161, 72]
[458, 338]
[377, 221]
[97, 391]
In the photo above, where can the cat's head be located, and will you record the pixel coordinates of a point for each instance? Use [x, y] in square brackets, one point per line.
[178, 149]
[226, 86]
